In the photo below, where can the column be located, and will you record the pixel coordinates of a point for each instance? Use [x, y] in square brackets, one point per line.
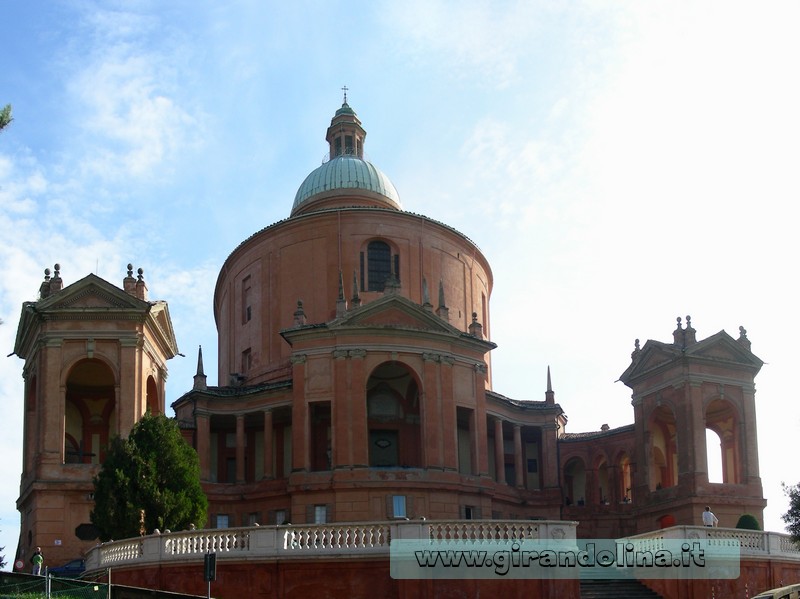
[481, 430]
[203, 443]
[431, 413]
[499, 452]
[299, 415]
[357, 397]
[748, 434]
[549, 451]
[519, 471]
[240, 447]
[50, 408]
[341, 454]
[269, 469]
[449, 420]
[128, 404]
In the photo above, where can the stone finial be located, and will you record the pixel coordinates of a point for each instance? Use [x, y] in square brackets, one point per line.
[56, 284]
[549, 394]
[677, 334]
[129, 283]
[341, 303]
[426, 296]
[743, 337]
[141, 286]
[299, 314]
[200, 377]
[392, 285]
[476, 328]
[636, 350]
[442, 311]
[44, 288]
[355, 301]
[689, 335]
[604, 427]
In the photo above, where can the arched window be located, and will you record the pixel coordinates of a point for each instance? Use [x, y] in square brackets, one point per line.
[394, 418]
[153, 403]
[603, 486]
[663, 464]
[625, 485]
[575, 482]
[89, 412]
[722, 448]
[380, 265]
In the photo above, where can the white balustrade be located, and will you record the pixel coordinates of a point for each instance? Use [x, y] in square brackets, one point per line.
[482, 530]
[752, 542]
[367, 539]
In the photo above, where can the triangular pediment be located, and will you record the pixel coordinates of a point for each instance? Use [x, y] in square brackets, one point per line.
[88, 293]
[656, 355]
[720, 347]
[394, 311]
[159, 315]
[724, 348]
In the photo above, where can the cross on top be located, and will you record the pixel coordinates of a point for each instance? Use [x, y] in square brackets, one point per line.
[344, 89]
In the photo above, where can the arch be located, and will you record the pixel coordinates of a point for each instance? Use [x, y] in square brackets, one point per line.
[624, 477]
[153, 401]
[603, 479]
[89, 406]
[722, 418]
[393, 417]
[663, 460]
[575, 481]
[97, 358]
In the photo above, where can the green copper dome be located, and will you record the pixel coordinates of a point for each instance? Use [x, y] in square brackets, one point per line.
[347, 175]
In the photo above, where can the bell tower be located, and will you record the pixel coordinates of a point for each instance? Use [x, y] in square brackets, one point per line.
[681, 390]
[346, 135]
[95, 361]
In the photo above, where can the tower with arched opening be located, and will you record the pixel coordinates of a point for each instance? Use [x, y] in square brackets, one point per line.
[680, 390]
[95, 361]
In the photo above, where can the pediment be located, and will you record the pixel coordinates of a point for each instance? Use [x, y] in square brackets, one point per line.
[722, 347]
[654, 357]
[159, 315]
[394, 311]
[88, 293]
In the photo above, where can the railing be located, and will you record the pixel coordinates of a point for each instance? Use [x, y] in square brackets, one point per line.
[337, 537]
[753, 543]
[207, 541]
[365, 539]
[479, 530]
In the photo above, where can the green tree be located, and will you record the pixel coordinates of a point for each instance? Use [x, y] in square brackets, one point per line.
[792, 517]
[149, 480]
[748, 522]
[5, 116]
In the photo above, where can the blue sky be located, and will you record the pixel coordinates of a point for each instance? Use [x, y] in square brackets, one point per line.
[619, 163]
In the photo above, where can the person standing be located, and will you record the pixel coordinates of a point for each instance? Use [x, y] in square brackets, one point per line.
[37, 559]
[709, 519]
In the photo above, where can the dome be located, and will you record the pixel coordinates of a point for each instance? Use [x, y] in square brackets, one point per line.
[347, 175]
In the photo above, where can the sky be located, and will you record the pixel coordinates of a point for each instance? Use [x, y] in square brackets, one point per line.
[620, 164]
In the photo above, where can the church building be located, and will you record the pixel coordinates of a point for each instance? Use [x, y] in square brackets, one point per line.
[355, 385]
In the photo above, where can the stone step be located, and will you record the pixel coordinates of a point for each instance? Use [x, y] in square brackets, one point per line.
[616, 589]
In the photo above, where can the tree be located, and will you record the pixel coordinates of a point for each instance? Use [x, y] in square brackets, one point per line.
[149, 480]
[748, 522]
[792, 517]
[5, 116]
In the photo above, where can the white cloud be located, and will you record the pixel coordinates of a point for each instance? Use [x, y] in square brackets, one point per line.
[125, 88]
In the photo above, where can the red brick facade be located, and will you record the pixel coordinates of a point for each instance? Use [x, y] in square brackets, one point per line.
[356, 385]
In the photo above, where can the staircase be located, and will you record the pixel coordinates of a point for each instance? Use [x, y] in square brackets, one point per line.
[616, 589]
